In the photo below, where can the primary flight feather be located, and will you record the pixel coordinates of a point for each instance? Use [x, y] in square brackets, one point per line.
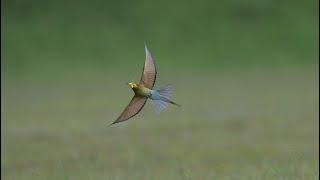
[144, 91]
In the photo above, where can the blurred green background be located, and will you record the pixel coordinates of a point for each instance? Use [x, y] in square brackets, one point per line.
[245, 72]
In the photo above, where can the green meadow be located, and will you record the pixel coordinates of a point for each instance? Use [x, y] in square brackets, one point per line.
[245, 73]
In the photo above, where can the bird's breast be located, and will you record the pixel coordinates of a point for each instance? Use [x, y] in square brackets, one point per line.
[142, 91]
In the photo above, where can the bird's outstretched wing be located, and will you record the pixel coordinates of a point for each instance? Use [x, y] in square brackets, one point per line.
[149, 72]
[133, 108]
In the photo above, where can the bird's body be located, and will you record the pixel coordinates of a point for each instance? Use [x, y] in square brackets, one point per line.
[144, 90]
[140, 90]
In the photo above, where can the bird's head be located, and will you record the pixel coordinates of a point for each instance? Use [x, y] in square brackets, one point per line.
[132, 85]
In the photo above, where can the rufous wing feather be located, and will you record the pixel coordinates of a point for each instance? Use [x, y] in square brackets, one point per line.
[149, 72]
[133, 108]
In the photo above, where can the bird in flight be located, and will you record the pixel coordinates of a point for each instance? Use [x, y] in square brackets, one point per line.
[144, 90]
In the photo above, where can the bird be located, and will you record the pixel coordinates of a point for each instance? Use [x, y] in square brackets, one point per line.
[143, 91]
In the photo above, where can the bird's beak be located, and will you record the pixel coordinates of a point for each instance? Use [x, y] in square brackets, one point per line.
[128, 84]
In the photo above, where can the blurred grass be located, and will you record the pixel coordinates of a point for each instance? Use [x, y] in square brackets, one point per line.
[42, 37]
[244, 71]
[243, 125]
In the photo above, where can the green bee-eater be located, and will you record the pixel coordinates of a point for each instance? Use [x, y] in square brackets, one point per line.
[143, 90]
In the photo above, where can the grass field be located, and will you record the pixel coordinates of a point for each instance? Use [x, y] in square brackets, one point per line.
[245, 72]
[257, 124]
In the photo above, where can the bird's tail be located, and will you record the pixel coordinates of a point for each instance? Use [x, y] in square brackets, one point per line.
[165, 95]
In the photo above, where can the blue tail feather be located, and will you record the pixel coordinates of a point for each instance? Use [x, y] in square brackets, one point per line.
[164, 94]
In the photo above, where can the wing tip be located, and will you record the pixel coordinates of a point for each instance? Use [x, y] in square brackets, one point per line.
[146, 47]
[115, 122]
